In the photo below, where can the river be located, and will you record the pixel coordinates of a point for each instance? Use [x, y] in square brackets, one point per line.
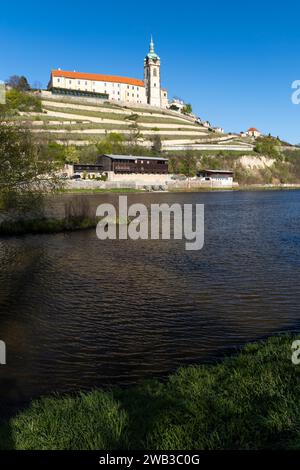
[78, 313]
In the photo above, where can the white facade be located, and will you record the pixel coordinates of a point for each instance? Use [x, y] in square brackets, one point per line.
[133, 91]
[219, 129]
[216, 178]
[115, 88]
[252, 132]
[152, 77]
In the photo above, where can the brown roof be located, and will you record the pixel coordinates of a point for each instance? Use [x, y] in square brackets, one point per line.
[97, 77]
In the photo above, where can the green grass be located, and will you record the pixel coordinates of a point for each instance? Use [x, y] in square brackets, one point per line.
[248, 401]
[94, 137]
[116, 116]
[87, 113]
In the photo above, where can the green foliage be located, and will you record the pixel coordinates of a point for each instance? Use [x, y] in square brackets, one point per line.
[186, 164]
[71, 154]
[156, 144]
[53, 151]
[173, 107]
[133, 117]
[248, 401]
[88, 154]
[113, 143]
[267, 146]
[17, 100]
[24, 177]
[187, 109]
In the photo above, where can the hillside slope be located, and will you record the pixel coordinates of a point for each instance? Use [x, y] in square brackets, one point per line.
[82, 121]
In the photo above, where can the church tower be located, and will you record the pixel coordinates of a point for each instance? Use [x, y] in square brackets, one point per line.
[152, 77]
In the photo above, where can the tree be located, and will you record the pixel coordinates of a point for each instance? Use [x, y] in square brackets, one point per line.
[156, 144]
[187, 109]
[18, 82]
[24, 176]
[71, 154]
[112, 143]
[17, 100]
[88, 154]
[267, 146]
[51, 151]
[173, 107]
[135, 135]
[188, 164]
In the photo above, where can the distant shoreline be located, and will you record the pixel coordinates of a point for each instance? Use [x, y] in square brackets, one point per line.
[50, 225]
[182, 190]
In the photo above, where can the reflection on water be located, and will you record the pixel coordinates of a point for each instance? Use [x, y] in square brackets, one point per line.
[76, 312]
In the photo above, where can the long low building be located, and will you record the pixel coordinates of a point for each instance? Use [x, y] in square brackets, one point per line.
[216, 177]
[122, 165]
[133, 164]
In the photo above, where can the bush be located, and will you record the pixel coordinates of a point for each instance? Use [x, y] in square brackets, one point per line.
[20, 101]
[267, 146]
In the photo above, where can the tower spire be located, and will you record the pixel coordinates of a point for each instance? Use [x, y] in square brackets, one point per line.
[151, 45]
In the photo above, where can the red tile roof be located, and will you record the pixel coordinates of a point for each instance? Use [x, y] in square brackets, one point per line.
[97, 77]
[252, 129]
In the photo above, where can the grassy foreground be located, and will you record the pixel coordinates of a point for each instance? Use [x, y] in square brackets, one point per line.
[249, 401]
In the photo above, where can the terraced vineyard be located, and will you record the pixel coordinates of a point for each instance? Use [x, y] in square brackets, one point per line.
[83, 121]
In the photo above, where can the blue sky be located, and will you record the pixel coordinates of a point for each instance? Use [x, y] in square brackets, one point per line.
[233, 61]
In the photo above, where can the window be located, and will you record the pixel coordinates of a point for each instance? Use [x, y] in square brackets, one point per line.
[154, 84]
[78, 82]
[128, 94]
[154, 72]
[86, 83]
[58, 80]
[70, 81]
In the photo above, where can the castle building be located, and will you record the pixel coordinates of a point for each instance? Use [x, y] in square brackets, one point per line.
[115, 88]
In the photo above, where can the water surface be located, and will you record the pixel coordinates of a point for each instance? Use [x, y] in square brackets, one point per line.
[78, 313]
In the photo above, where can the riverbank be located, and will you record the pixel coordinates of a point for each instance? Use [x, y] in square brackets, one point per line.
[45, 225]
[248, 401]
[253, 187]
[184, 189]
[101, 191]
